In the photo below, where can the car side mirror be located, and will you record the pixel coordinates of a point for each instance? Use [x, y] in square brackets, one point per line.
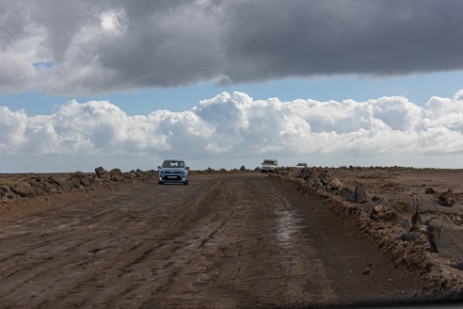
[187, 168]
[159, 167]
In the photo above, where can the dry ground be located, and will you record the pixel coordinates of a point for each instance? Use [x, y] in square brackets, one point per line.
[224, 241]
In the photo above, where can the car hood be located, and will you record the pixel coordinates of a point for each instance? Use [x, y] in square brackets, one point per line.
[173, 169]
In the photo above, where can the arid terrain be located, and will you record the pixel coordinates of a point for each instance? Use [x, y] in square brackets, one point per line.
[291, 239]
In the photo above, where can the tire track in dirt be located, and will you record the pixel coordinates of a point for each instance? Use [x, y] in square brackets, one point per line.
[223, 241]
[56, 240]
[175, 217]
[279, 272]
[154, 241]
[74, 257]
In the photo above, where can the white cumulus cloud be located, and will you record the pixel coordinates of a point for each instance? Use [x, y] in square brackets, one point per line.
[236, 128]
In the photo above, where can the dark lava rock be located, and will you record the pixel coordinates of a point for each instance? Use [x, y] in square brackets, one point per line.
[359, 195]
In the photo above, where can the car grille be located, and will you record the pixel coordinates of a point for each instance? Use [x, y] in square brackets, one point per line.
[172, 177]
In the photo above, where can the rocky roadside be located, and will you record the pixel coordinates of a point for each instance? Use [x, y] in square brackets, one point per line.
[429, 240]
[36, 185]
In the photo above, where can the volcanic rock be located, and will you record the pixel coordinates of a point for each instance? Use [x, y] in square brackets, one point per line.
[445, 237]
[359, 195]
[102, 173]
[383, 213]
[447, 198]
[116, 174]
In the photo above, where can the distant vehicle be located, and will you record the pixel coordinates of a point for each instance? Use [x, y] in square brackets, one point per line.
[301, 165]
[269, 165]
[173, 171]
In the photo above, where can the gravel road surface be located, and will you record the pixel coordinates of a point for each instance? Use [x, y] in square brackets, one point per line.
[223, 241]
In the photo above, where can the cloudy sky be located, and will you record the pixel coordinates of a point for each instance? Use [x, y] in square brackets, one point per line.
[225, 83]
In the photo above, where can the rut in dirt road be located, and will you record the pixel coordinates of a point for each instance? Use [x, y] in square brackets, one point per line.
[224, 241]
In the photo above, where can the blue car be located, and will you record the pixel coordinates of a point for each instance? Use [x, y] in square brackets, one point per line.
[173, 171]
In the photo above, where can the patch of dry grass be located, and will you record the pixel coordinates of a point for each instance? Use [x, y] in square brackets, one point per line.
[402, 204]
[391, 186]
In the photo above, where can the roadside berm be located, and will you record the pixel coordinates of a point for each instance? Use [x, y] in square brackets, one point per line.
[17, 186]
[414, 215]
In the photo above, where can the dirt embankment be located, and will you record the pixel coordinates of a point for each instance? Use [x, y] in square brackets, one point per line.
[415, 215]
[17, 186]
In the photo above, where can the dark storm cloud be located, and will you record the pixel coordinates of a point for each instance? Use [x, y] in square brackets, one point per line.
[165, 43]
[170, 43]
[13, 23]
[271, 39]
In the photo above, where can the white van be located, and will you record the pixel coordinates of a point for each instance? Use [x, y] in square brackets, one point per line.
[269, 165]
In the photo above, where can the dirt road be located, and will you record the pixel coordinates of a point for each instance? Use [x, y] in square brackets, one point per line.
[223, 241]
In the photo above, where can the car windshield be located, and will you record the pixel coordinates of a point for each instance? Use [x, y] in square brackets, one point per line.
[173, 163]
